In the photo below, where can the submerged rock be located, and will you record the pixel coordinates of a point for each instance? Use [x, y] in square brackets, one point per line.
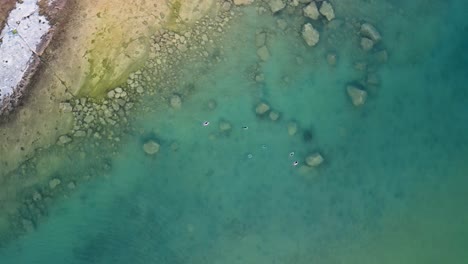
[314, 159]
[366, 44]
[263, 53]
[212, 104]
[243, 2]
[357, 95]
[372, 79]
[381, 56]
[276, 5]
[71, 185]
[260, 39]
[310, 34]
[331, 59]
[326, 9]
[274, 115]
[66, 107]
[151, 147]
[54, 183]
[64, 139]
[262, 108]
[282, 24]
[226, 6]
[176, 101]
[292, 128]
[225, 126]
[311, 11]
[368, 30]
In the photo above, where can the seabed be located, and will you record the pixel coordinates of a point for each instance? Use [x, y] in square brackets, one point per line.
[241, 132]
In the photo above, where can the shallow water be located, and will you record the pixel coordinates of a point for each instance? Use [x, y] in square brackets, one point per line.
[392, 188]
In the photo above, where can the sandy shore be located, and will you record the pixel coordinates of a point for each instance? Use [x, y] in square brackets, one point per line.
[96, 49]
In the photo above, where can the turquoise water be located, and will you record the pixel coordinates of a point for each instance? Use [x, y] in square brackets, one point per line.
[392, 188]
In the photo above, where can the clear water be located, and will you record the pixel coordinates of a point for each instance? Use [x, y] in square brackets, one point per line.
[392, 189]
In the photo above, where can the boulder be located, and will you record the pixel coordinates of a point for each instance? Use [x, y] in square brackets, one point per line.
[54, 183]
[151, 147]
[381, 56]
[225, 126]
[66, 107]
[311, 11]
[274, 115]
[276, 5]
[292, 128]
[372, 79]
[314, 160]
[358, 96]
[64, 139]
[263, 53]
[111, 94]
[226, 6]
[71, 185]
[310, 34]
[36, 196]
[366, 44]
[260, 39]
[282, 24]
[176, 101]
[262, 108]
[368, 30]
[88, 119]
[331, 59]
[243, 2]
[326, 9]
[212, 104]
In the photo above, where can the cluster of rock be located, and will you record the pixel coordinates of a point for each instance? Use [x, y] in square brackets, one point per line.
[370, 41]
[100, 120]
[93, 118]
[159, 75]
[263, 109]
[314, 12]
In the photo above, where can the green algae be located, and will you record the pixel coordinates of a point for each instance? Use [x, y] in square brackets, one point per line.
[104, 73]
[174, 21]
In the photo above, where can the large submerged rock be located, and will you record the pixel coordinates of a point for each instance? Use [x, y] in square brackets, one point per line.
[314, 160]
[357, 95]
[311, 11]
[276, 5]
[310, 34]
[243, 2]
[368, 30]
[326, 9]
[151, 147]
[263, 53]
